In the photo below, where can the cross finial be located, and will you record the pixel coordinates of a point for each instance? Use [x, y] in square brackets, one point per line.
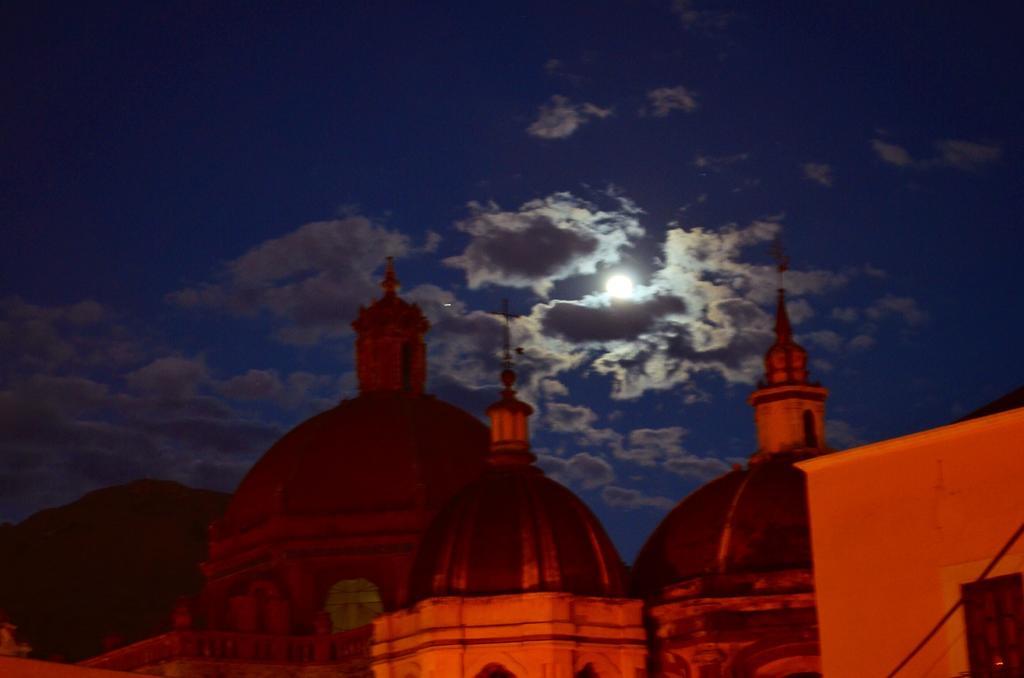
[781, 260]
[506, 360]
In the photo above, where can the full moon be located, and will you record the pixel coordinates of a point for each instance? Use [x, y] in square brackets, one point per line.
[619, 286]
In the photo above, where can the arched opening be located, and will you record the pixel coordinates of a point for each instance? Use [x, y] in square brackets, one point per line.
[810, 432]
[406, 366]
[587, 672]
[352, 603]
[495, 671]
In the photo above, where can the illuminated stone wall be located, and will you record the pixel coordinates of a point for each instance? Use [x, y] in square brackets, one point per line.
[530, 635]
[897, 527]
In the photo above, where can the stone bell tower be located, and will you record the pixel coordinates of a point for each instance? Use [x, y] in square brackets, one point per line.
[390, 352]
[789, 409]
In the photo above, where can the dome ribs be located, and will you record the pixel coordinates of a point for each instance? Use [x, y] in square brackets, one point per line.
[725, 539]
[550, 563]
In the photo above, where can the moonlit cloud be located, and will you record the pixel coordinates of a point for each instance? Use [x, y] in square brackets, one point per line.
[311, 281]
[170, 377]
[819, 173]
[560, 118]
[719, 324]
[98, 403]
[892, 153]
[583, 470]
[717, 163]
[578, 421]
[631, 499]
[961, 154]
[544, 241]
[861, 342]
[966, 155]
[828, 340]
[664, 100]
[648, 446]
[552, 388]
[693, 17]
[845, 314]
[580, 322]
[903, 307]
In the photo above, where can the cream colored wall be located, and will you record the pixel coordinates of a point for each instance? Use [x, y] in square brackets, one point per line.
[780, 423]
[897, 527]
[533, 635]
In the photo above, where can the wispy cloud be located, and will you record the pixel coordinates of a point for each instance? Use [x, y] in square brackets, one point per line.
[819, 173]
[99, 403]
[664, 100]
[630, 499]
[966, 155]
[582, 469]
[559, 118]
[961, 154]
[717, 163]
[906, 308]
[893, 154]
[310, 281]
[693, 17]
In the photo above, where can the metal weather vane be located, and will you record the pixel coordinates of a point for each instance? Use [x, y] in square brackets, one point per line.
[508, 316]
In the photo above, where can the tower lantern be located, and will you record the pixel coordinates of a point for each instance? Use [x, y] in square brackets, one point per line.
[390, 352]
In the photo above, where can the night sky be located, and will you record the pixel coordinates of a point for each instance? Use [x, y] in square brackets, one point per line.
[197, 197]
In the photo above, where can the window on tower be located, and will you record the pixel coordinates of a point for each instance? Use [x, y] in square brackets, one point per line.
[994, 617]
[810, 432]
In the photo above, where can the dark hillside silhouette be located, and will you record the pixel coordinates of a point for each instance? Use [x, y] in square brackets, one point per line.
[113, 562]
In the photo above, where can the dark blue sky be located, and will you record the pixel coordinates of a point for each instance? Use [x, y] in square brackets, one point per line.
[197, 196]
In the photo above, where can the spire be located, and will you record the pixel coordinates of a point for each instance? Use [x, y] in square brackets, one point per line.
[390, 352]
[783, 330]
[390, 283]
[510, 438]
[786, 361]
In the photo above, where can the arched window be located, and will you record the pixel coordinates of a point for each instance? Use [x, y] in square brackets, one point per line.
[810, 434]
[352, 603]
[587, 672]
[495, 671]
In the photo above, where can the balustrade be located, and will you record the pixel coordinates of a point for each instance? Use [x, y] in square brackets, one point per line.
[346, 647]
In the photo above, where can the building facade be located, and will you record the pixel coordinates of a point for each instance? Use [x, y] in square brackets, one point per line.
[921, 575]
[395, 536]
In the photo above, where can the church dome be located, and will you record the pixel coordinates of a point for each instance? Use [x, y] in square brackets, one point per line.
[381, 451]
[753, 519]
[391, 449]
[514, 530]
[749, 520]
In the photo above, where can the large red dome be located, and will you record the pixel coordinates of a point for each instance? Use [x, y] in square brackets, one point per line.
[749, 520]
[382, 451]
[514, 531]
